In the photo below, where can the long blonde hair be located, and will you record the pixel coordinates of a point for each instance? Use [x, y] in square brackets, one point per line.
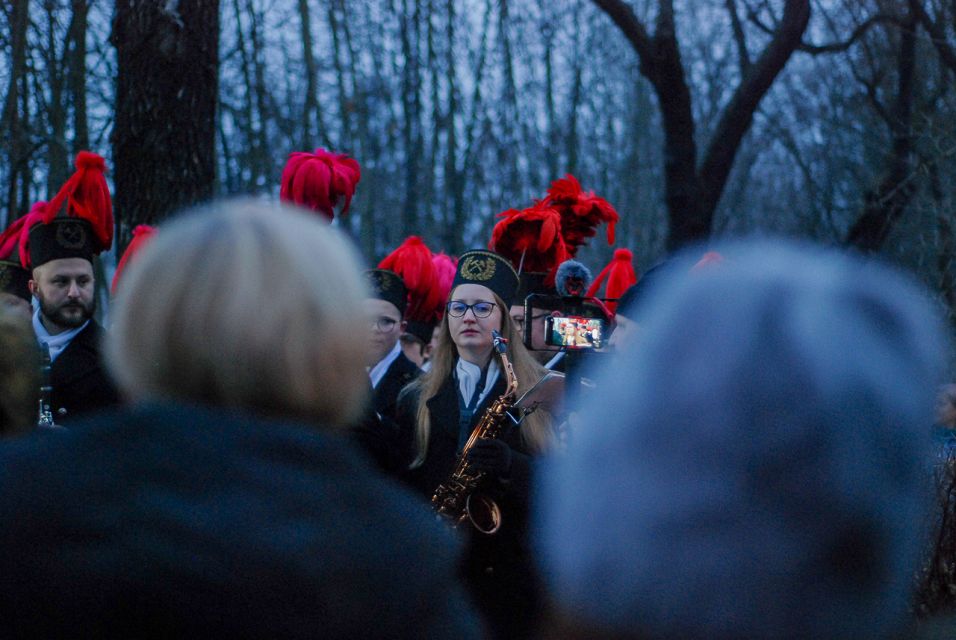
[537, 431]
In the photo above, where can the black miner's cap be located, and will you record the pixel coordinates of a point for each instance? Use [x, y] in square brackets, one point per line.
[388, 286]
[62, 238]
[487, 269]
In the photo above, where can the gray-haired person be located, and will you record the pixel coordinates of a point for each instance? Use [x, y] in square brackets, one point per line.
[755, 464]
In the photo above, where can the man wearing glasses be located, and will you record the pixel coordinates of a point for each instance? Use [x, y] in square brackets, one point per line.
[535, 283]
[388, 368]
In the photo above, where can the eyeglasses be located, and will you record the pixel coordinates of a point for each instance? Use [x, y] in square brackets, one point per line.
[457, 308]
[383, 324]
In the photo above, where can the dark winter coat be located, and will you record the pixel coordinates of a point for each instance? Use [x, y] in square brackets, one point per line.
[376, 430]
[385, 395]
[498, 567]
[79, 380]
[176, 521]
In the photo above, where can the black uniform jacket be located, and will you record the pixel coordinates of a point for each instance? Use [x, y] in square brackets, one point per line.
[176, 521]
[385, 395]
[499, 567]
[376, 431]
[446, 440]
[79, 380]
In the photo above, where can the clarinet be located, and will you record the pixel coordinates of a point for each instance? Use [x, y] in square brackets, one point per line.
[45, 416]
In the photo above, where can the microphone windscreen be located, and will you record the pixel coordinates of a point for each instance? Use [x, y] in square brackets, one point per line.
[572, 279]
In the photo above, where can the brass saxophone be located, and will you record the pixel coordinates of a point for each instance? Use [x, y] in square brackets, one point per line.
[458, 498]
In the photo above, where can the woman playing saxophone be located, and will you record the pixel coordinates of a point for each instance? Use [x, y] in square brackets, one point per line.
[439, 411]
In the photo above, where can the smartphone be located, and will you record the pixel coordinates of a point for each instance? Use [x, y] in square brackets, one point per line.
[575, 332]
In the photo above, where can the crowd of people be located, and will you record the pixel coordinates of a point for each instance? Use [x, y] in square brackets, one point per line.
[740, 444]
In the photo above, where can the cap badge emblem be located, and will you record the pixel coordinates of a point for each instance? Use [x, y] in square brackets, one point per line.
[70, 235]
[478, 268]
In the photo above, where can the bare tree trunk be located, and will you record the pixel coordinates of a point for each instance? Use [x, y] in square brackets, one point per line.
[354, 135]
[166, 92]
[248, 150]
[451, 212]
[58, 164]
[411, 113]
[692, 194]
[310, 126]
[884, 204]
[345, 108]
[512, 121]
[551, 153]
[571, 142]
[263, 158]
[431, 196]
[76, 73]
[454, 240]
[24, 168]
[13, 125]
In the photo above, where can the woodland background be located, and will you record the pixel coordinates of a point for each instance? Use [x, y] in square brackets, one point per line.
[833, 120]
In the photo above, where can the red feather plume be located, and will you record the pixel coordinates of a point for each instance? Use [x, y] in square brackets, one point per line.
[445, 268]
[581, 212]
[33, 218]
[530, 238]
[142, 234]
[10, 238]
[412, 260]
[319, 180]
[87, 196]
[620, 276]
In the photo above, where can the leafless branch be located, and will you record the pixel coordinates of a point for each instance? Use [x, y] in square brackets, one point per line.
[834, 47]
[936, 34]
[739, 36]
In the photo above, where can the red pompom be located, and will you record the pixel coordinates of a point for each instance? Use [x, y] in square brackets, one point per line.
[142, 234]
[319, 180]
[531, 239]
[581, 212]
[87, 196]
[620, 276]
[87, 161]
[412, 260]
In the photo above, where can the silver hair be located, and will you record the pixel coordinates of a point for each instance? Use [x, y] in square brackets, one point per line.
[755, 463]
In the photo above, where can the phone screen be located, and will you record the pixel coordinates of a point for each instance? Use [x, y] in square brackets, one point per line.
[575, 332]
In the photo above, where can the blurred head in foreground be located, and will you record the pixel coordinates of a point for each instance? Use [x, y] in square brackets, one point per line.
[755, 465]
[216, 505]
[19, 373]
[244, 304]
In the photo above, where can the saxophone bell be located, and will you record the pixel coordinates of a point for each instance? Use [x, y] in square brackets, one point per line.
[483, 513]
